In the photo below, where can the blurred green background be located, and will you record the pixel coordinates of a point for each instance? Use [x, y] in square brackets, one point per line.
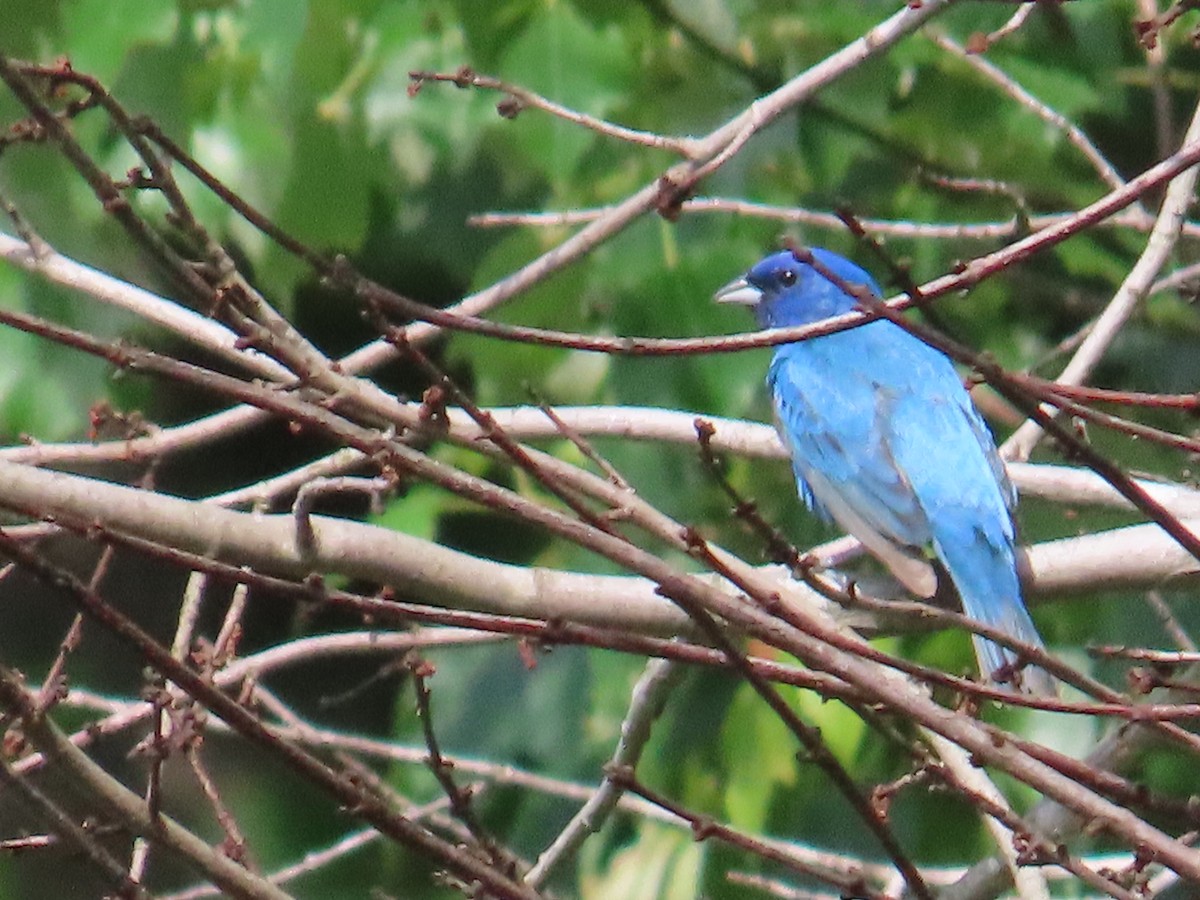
[303, 109]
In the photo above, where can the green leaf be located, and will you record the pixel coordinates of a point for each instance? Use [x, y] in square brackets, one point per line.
[661, 863]
[502, 369]
[561, 56]
[101, 33]
[416, 513]
[760, 757]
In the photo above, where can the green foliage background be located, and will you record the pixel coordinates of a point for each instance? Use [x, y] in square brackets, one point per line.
[302, 108]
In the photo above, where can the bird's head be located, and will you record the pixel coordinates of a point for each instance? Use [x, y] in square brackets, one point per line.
[786, 291]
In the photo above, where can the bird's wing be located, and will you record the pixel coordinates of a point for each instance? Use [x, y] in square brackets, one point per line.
[988, 445]
[834, 416]
[935, 435]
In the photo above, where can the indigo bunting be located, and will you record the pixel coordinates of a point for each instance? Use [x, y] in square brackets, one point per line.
[885, 442]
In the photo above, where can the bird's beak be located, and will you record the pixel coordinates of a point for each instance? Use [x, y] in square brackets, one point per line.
[739, 291]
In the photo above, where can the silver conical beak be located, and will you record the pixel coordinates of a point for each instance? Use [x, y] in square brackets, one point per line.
[739, 291]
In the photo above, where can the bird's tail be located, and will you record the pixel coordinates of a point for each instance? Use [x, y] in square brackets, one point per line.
[985, 573]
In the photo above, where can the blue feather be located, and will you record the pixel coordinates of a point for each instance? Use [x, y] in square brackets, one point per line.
[886, 442]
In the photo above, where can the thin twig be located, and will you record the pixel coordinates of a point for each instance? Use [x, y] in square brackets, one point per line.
[461, 806]
[1133, 289]
[1074, 134]
[365, 805]
[519, 98]
[71, 832]
[649, 697]
[120, 802]
[704, 827]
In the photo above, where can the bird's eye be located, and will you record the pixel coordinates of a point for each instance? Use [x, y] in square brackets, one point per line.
[787, 277]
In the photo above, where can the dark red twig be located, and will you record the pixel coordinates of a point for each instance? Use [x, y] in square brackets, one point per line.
[461, 805]
[241, 720]
[705, 827]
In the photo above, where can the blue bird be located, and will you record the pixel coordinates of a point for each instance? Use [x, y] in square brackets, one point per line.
[886, 443]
